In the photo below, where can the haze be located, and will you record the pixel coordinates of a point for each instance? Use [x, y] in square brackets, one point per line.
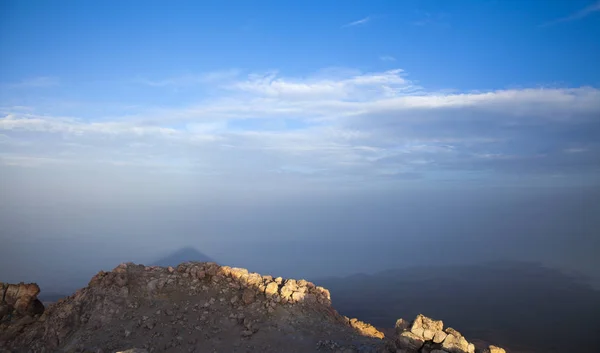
[306, 140]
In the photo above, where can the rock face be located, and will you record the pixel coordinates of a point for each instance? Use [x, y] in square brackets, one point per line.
[19, 300]
[200, 307]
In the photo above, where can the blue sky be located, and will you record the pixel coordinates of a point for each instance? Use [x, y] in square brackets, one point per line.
[469, 128]
[378, 91]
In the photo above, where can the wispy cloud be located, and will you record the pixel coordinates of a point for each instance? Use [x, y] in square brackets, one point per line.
[34, 82]
[426, 18]
[362, 21]
[344, 125]
[388, 58]
[589, 10]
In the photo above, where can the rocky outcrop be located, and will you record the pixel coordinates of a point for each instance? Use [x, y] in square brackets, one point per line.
[426, 335]
[188, 307]
[198, 307]
[19, 300]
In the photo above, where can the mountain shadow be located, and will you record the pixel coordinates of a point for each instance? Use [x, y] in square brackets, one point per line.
[523, 306]
[182, 255]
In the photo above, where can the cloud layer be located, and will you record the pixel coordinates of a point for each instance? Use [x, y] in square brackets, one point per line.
[332, 126]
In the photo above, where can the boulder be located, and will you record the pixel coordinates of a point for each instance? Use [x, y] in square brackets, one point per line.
[425, 327]
[22, 298]
[456, 343]
[271, 289]
[494, 349]
[409, 342]
[427, 336]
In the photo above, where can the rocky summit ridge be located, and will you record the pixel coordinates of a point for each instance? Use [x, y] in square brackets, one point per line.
[204, 307]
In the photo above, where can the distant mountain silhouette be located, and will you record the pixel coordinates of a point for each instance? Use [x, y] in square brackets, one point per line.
[519, 305]
[182, 255]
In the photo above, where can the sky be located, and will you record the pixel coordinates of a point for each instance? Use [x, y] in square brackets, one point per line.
[137, 121]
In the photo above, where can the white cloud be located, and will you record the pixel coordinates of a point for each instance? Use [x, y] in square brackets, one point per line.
[346, 124]
[362, 21]
[351, 88]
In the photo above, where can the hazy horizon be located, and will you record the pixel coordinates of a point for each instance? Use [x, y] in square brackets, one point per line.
[325, 233]
[302, 139]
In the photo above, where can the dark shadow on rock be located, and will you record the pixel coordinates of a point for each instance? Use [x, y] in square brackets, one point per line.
[182, 255]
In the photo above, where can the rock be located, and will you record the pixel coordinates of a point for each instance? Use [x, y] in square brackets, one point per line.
[494, 349]
[134, 350]
[409, 341]
[154, 305]
[5, 309]
[248, 296]
[324, 292]
[22, 298]
[297, 296]
[365, 329]
[287, 290]
[401, 325]
[254, 280]
[428, 347]
[455, 342]
[310, 298]
[121, 279]
[271, 289]
[417, 331]
[439, 337]
[430, 332]
[425, 327]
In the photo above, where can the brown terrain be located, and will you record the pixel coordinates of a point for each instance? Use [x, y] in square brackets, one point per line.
[204, 307]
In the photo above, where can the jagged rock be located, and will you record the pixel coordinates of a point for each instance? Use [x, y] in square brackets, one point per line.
[429, 336]
[494, 349]
[287, 290]
[271, 289]
[365, 329]
[425, 327]
[20, 298]
[205, 307]
[456, 343]
[439, 337]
